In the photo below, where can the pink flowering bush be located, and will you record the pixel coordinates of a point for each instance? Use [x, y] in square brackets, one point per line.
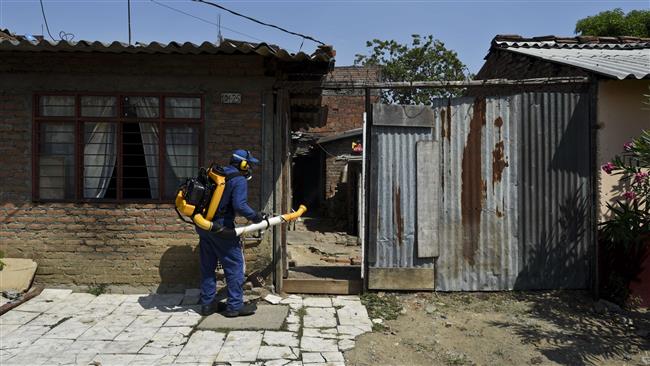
[631, 214]
[625, 238]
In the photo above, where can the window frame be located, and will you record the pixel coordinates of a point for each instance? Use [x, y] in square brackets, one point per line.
[78, 121]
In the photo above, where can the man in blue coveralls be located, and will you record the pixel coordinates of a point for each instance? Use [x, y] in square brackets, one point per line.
[228, 251]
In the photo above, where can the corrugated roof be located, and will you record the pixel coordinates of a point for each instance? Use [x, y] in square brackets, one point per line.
[10, 42]
[619, 57]
[342, 135]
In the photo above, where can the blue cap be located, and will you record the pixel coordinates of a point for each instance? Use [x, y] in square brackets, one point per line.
[239, 155]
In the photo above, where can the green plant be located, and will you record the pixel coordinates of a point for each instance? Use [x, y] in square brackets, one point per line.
[630, 221]
[386, 307]
[625, 235]
[616, 23]
[97, 289]
[425, 59]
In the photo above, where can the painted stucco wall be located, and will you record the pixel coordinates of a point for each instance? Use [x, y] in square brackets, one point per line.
[622, 116]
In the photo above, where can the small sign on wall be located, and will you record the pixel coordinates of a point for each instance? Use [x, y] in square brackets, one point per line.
[231, 98]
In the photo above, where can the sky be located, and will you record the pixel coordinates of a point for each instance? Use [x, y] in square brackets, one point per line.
[466, 27]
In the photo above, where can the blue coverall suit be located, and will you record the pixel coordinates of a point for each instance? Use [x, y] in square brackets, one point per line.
[228, 251]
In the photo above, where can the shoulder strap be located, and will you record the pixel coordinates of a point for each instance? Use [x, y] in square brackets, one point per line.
[232, 175]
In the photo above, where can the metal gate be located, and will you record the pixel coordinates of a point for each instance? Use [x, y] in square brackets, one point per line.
[481, 194]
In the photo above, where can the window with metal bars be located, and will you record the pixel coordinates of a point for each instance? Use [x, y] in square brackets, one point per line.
[115, 147]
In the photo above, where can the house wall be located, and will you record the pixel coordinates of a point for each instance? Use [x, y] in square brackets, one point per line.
[122, 244]
[342, 109]
[622, 115]
[336, 191]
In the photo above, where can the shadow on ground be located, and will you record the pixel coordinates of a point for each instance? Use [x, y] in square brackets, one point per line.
[577, 335]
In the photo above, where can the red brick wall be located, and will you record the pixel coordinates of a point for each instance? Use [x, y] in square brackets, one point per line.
[119, 244]
[343, 109]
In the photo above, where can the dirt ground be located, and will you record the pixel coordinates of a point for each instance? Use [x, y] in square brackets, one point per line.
[315, 242]
[532, 328]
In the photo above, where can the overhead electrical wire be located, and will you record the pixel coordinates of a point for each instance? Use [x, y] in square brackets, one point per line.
[261, 22]
[204, 20]
[45, 20]
[63, 35]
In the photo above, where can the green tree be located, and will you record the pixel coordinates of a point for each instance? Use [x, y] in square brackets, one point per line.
[425, 59]
[615, 22]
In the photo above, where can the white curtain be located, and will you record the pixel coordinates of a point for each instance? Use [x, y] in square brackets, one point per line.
[56, 105]
[179, 107]
[147, 107]
[182, 151]
[99, 150]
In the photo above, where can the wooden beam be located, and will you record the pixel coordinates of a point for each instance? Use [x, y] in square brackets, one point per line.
[321, 286]
[401, 279]
[343, 85]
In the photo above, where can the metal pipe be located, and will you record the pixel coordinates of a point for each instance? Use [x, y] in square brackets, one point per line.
[367, 149]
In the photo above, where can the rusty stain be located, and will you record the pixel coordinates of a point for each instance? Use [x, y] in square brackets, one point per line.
[498, 122]
[498, 163]
[484, 191]
[472, 184]
[397, 210]
[448, 120]
[443, 118]
[499, 213]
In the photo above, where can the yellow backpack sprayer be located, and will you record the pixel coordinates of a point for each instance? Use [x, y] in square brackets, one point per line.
[198, 199]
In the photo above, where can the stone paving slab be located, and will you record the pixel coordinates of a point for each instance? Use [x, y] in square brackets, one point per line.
[157, 330]
[266, 317]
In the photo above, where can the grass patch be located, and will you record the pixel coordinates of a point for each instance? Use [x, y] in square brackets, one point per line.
[97, 289]
[386, 307]
[454, 359]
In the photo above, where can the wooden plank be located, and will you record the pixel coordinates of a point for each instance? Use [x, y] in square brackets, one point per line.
[401, 279]
[321, 286]
[428, 194]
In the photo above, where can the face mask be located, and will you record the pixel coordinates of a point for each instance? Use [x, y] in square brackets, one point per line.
[248, 174]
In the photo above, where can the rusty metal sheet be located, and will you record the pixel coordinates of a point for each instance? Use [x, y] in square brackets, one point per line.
[392, 198]
[478, 228]
[512, 206]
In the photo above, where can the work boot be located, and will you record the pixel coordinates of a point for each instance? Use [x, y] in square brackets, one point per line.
[248, 309]
[214, 307]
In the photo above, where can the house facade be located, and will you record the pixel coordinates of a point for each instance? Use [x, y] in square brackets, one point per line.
[97, 137]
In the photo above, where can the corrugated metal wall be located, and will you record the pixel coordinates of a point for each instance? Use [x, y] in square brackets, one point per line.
[513, 206]
[392, 213]
[556, 233]
[478, 226]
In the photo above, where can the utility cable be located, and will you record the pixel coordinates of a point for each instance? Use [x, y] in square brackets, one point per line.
[260, 22]
[45, 20]
[63, 35]
[204, 20]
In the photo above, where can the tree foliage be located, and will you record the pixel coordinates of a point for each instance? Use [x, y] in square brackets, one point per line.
[425, 59]
[615, 23]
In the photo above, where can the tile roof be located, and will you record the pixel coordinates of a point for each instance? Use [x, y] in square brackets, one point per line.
[618, 57]
[11, 42]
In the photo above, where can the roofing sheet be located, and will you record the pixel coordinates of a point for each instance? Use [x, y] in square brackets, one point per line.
[618, 63]
[18, 43]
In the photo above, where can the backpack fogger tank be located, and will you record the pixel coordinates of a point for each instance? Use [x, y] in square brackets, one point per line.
[198, 199]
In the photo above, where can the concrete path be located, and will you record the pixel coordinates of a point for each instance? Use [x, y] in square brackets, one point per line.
[63, 328]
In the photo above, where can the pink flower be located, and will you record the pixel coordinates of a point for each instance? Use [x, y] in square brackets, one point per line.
[608, 167]
[629, 195]
[628, 146]
[640, 177]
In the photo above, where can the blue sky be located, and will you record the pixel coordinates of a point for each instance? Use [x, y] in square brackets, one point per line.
[464, 26]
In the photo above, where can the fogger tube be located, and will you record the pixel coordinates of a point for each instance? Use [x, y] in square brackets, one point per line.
[265, 224]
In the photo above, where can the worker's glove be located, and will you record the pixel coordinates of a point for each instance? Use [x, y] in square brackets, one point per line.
[259, 217]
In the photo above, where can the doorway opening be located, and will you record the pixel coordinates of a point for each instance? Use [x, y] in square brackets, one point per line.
[323, 248]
